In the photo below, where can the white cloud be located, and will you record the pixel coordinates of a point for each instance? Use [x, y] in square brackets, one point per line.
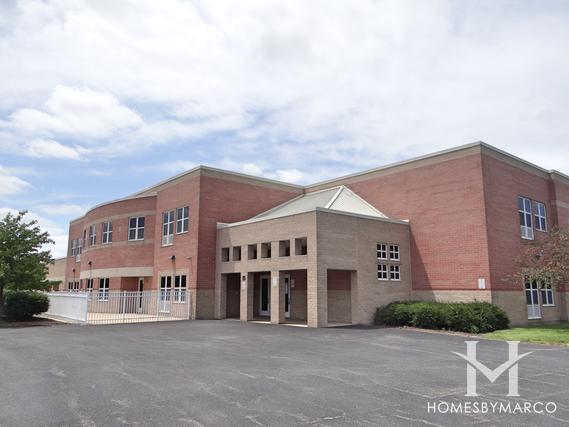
[10, 184]
[61, 210]
[52, 149]
[299, 83]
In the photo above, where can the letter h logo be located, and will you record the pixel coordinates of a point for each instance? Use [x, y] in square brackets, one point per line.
[511, 365]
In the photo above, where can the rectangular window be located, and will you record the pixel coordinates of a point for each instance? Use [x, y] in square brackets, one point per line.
[237, 253]
[394, 252]
[394, 272]
[74, 286]
[182, 219]
[547, 295]
[266, 250]
[252, 251]
[89, 284]
[104, 289]
[107, 235]
[301, 246]
[92, 235]
[382, 272]
[224, 254]
[167, 228]
[539, 216]
[381, 251]
[180, 289]
[74, 247]
[524, 210]
[136, 228]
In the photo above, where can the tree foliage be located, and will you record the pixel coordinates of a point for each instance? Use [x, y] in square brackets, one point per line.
[23, 263]
[547, 261]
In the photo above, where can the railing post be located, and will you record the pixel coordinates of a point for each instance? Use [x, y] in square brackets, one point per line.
[123, 306]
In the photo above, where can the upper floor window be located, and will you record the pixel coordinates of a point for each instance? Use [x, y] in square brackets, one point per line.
[540, 216]
[381, 251]
[167, 228]
[524, 210]
[92, 235]
[77, 248]
[74, 247]
[394, 252]
[107, 235]
[394, 272]
[136, 228]
[89, 284]
[182, 219]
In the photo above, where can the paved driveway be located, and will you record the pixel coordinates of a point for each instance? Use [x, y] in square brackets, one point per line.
[218, 373]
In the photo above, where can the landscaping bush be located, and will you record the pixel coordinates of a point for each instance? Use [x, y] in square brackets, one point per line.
[23, 305]
[472, 317]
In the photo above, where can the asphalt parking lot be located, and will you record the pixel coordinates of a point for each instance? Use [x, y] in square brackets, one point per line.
[217, 373]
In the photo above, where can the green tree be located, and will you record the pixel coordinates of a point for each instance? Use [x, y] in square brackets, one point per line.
[547, 260]
[23, 263]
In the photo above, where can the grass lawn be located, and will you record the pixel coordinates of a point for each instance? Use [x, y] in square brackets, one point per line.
[545, 334]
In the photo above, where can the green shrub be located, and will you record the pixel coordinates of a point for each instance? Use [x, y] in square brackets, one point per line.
[472, 317]
[23, 305]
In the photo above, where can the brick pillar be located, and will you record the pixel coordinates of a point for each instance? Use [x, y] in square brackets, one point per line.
[246, 299]
[317, 297]
[277, 297]
[354, 297]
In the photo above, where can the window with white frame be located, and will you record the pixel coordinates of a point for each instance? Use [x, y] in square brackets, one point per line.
[382, 272]
[540, 216]
[92, 235]
[394, 252]
[74, 247]
[547, 295]
[167, 228]
[394, 272]
[182, 219]
[136, 228]
[524, 210]
[104, 289]
[89, 284]
[180, 288]
[381, 251]
[74, 285]
[107, 233]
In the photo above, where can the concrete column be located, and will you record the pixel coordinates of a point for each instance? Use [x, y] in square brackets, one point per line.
[317, 297]
[277, 297]
[220, 291]
[354, 297]
[246, 299]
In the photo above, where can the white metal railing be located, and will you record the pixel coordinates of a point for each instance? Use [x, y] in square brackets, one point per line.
[103, 306]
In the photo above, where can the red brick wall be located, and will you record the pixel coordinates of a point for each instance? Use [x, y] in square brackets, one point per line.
[504, 182]
[339, 280]
[444, 202]
[226, 200]
[184, 193]
[120, 253]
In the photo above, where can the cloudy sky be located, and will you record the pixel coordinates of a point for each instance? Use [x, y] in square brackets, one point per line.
[101, 98]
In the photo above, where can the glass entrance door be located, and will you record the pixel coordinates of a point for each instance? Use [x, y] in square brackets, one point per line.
[287, 295]
[265, 289]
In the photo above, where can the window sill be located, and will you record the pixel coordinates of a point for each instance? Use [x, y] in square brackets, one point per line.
[167, 244]
[383, 280]
[183, 232]
[548, 305]
[106, 244]
[135, 240]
